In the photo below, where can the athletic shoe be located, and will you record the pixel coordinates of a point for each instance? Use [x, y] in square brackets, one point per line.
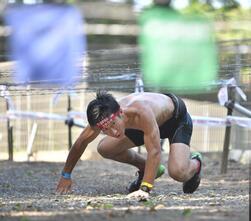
[192, 184]
[135, 185]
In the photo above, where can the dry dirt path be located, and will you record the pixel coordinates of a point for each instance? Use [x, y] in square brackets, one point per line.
[27, 193]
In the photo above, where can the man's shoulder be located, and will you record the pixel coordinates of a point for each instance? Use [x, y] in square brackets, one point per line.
[137, 104]
[135, 109]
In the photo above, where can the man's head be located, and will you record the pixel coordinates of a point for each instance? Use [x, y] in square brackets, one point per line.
[103, 112]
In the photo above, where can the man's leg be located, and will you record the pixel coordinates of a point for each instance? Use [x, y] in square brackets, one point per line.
[180, 166]
[119, 150]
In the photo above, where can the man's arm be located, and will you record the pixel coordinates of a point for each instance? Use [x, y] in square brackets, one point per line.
[78, 148]
[88, 135]
[148, 124]
[145, 120]
[152, 144]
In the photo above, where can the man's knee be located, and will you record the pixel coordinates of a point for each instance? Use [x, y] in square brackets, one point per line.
[178, 172]
[103, 150]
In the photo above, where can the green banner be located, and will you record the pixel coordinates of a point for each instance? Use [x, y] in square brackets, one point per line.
[178, 52]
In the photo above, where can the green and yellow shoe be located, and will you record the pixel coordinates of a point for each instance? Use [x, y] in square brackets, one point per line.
[135, 185]
[192, 184]
[161, 171]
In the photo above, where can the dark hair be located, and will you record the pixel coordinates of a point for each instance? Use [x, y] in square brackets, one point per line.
[103, 106]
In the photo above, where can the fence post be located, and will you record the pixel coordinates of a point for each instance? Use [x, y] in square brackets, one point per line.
[227, 132]
[139, 88]
[9, 135]
[69, 125]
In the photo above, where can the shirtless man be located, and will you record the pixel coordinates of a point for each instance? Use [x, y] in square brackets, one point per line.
[137, 119]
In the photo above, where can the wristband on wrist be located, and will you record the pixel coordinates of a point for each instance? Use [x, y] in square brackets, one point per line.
[147, 187]
[66, 175]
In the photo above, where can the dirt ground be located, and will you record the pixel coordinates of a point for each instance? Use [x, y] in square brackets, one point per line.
[27, 192]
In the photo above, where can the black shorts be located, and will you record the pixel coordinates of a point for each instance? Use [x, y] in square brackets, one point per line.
[178, 129]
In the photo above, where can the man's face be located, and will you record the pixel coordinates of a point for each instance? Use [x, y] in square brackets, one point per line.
[114, 125]
[116, 128]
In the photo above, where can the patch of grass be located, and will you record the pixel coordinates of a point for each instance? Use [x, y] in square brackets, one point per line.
[150, 204]
[100, 205]
[29, 173]
[17, 207]
[187, 212]
[107, 206]
[6, 185]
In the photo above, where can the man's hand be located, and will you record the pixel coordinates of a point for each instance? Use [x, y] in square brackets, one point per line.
[64, 186]
[139, 195]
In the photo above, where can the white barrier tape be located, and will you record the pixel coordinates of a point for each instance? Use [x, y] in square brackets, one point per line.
[62, 91]
[6, 95]
[3, 117]
[208, 121]
[79, 123]
[139, 85]
[34, 115]
[223, 92]
[223, 96]
[197, 120]
[240, 121]
[215, 121]
[12, 115]
[78, 115]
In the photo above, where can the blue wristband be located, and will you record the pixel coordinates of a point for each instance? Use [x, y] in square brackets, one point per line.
[66, 175]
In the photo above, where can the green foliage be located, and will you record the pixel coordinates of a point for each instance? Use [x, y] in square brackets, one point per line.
[196, 7]
[229, 10]
[235, 24]
[229, 4]
[231, 21]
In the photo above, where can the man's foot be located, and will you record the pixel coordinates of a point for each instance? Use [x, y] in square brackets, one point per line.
[135, 185]
[191, 185]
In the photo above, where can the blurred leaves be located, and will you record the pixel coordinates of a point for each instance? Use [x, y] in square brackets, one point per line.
[231, 20]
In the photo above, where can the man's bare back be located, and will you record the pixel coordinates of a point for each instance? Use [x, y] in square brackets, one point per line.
[160, 104]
